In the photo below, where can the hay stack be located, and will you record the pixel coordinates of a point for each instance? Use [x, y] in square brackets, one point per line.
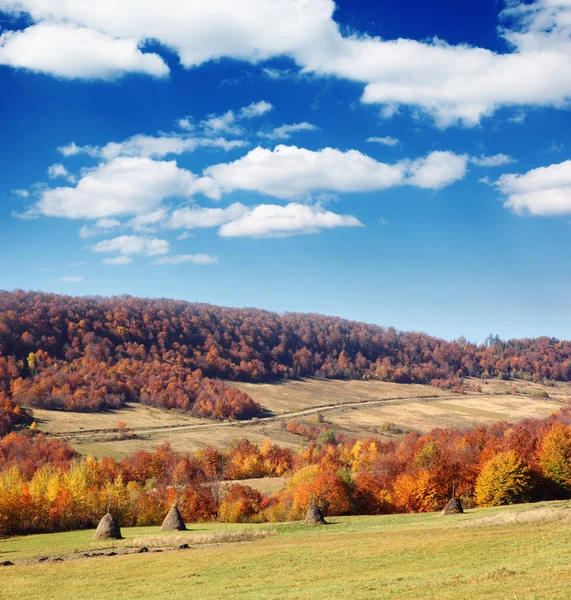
[173, 521]
[108, 529]
[314, 516]
[454, 507]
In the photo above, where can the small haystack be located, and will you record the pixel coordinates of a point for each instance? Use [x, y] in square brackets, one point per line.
[108, 529]
[314, 516]
[454, 507]
[173, 521]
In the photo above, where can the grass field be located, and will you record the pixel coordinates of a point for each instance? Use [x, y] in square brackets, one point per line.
[521, 552]
[356, 408]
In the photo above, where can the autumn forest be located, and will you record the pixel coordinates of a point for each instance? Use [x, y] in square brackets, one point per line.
[96, 354]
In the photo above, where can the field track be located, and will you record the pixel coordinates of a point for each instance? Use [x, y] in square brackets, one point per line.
[89, 433]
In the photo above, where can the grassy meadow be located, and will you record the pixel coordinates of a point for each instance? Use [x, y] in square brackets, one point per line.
[520, 552]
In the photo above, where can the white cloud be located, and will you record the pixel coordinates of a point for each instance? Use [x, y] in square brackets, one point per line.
[70, 51]
[148, 221]
[458, 84]
[228, 123]
[492, 161]
[275, 74]
[291, 172]
[185, 123]
[270, 220]
[437, 170]
[217, 124]
[101, 227]
[58, 170]
[149, 146]
[284, 132]
[184, 236]
[122, 186]
[73, 149]
[133, 245]
[117, 260]
[196, 217]
[519, 117]
[197, 259]
[545, 191]
[72, 279]
[385, 141]
[256, 109]
[21, 193]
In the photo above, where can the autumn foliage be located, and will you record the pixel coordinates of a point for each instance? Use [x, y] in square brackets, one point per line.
[91, 353]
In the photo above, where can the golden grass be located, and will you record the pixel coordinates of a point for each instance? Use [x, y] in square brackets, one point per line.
[215, 537]
[409, 407]
[561, 514]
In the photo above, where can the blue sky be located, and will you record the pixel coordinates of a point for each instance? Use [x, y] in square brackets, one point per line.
[403, 165]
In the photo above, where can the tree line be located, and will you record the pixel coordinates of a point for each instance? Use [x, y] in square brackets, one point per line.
[92, 353]
[46, 486]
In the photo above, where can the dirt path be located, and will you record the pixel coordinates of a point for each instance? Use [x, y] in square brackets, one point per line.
[86, 434]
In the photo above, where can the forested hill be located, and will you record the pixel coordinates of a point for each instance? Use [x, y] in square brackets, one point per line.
[89, 353]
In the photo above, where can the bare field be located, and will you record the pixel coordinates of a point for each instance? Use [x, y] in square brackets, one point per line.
[134, 415]
[289, 396]
[458, 413]
[266, 485]
[356, 408]
[188, 440]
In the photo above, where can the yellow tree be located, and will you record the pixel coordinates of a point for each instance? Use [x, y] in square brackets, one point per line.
[505, 479]
[555, 455]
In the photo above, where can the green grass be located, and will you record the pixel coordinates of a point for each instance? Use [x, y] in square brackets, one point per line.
[475, 556]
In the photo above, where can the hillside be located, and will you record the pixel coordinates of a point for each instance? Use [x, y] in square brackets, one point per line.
[513, 552]
[357, 409]
[90, 354]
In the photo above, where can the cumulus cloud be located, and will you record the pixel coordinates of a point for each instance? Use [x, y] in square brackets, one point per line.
[256, 109]
[117, 260]
[385, 141]
[149, 146]
[270, 220]
[290, 172]
[492, 161]
[177, 142]
[284, 132]
[58, 170]
[101, 227]
[545, 191]
[197, 259]
[122, 186]
[437, 170]
[228, 123]
[197, 217]
[455, 84]
[73, 149]
[147, 222]
[133, 245]
[71, 51]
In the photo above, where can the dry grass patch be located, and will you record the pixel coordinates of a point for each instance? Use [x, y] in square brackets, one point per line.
[524, 517]
[201, 539]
